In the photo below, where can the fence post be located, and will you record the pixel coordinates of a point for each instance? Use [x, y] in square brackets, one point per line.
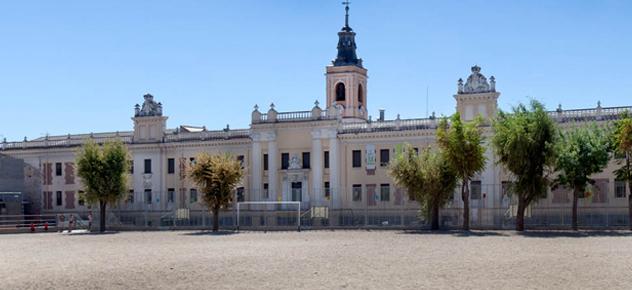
[298, 215]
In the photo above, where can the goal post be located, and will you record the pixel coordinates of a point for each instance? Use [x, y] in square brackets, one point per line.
[262, 210]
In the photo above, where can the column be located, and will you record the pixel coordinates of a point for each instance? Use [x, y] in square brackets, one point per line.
[317, 168]
[273, 169]
[334, 170]
[256, 186]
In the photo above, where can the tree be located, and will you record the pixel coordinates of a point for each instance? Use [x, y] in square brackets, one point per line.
[427, 177]
[103, 173]
[524, 142]
[216, 176]
[623, 145]
[581, 152]
[461, 144]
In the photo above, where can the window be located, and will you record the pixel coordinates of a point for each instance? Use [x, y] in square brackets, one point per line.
[171, 195]
[82, 198]
[384, 157]
[356, 191]
[356, 158]
[147, 166]
[192, 161]
[131, 167]
[305, 160]
[475, 189]
[285, 160]
[58, 198]
[193, 195]
[416, 150]
[619, 189]
[240, 158]
[148, 197]
[360, 94]
[240, 194]
[58, 169]
[326, 157]
[327, 190]
[385, 192]
[266, 193]
[130, 196]
[340, 92]
[171, 166]
[265, 161]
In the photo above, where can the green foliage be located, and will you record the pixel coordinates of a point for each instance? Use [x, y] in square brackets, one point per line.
[524, 142]
[103, 171]
[622, 141]
[581, 152]
[216, 176]
[462, 145]
[427, 176]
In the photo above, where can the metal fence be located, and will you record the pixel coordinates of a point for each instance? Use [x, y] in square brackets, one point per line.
[353, 218]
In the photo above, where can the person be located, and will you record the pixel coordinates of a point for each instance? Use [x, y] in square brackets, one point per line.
[60, 222]
[71, 223]
[90, 221]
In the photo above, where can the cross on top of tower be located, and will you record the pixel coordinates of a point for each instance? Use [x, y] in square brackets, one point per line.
[346, 4]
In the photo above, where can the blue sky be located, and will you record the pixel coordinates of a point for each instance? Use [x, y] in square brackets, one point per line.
[80, 66]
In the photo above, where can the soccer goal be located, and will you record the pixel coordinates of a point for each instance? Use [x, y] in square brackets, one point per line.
[269, 215]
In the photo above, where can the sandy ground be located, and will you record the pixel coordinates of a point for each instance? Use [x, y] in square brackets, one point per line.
[317, 260]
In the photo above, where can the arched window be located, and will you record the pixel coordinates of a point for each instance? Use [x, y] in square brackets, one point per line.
[340, 92]
[360, 95]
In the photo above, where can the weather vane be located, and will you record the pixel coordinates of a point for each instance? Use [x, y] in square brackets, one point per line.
[346, 3]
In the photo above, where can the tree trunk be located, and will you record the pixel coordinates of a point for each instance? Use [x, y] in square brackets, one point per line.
[102, 206]
[435, 217]
[575, 199]
[522, 205]
[465, 195]
[627, 164]
[215, 218]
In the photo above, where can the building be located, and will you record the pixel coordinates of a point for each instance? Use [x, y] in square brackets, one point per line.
[332, 155]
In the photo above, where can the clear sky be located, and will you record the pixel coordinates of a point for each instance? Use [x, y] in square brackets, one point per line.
[80, 66]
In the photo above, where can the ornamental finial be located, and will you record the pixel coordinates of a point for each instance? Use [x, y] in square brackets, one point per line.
[346, 3]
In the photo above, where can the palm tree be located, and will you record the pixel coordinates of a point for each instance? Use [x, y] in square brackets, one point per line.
[462, 148]
[217, 176]
[103, 173]
[524, 142]
[427, 177]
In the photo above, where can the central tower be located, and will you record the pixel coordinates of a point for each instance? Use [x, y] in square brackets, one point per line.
[346, 77]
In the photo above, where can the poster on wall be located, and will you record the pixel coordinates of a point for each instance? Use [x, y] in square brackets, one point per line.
[370, 157]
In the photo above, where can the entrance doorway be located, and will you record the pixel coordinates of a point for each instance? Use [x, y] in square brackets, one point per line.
[297, 191]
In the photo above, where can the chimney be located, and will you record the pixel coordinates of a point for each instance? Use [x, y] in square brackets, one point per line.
[381, 119]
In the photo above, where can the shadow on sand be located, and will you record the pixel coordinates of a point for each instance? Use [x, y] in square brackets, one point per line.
[210, 233]
[88, 233]
[458, 233]
[574, 234]
[527, 234]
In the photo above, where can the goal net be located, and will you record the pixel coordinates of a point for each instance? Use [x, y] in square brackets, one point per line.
[269, 215]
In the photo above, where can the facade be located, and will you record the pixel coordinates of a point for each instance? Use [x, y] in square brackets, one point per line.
[332, 155]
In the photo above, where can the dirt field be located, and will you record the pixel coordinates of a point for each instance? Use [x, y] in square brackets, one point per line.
[317, 260]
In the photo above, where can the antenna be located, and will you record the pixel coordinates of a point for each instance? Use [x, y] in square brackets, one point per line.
[427, 88]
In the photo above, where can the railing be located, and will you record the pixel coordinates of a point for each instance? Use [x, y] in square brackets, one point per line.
[207, 135]
[390, 125]
[76, 141]
[592, 114]
[69, 142]
[293, 116]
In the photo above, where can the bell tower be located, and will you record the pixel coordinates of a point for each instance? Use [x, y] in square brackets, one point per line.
[346, 77]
